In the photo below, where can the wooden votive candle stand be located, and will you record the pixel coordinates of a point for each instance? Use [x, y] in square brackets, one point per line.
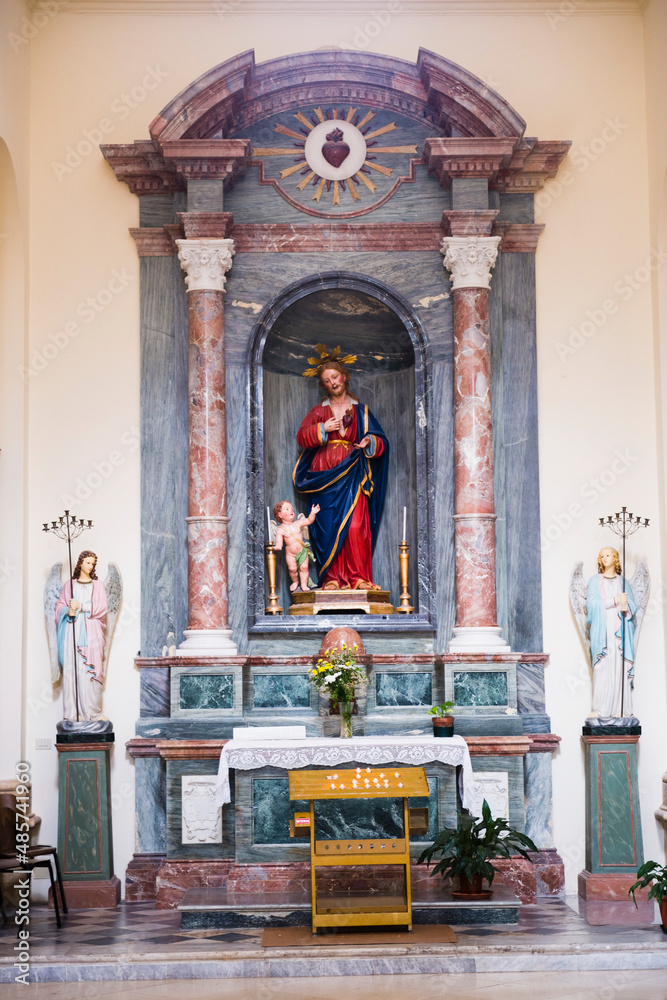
[389, 782]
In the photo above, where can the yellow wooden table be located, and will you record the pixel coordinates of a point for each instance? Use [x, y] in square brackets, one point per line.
[389, 782]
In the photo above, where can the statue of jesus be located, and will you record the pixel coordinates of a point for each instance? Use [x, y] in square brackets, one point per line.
[343, 467]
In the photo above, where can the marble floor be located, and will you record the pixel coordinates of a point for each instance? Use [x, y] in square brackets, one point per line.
[139, 951]
[642, 985]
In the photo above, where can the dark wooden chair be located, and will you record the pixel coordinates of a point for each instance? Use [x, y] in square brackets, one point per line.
[36, 855]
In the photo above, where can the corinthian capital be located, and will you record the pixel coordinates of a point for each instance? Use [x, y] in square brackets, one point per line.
[205, 263]
[469, 259]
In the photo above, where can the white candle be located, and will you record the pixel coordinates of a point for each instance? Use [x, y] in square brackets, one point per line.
[268, 522]
[405, 518]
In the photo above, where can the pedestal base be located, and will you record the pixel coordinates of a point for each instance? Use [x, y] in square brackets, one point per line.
[368, 602]
[478, 639]
[94, 894]
[592, 886]
[614, 848]
[207, 642]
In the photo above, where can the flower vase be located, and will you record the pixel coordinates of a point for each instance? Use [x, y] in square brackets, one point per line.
[346, 710]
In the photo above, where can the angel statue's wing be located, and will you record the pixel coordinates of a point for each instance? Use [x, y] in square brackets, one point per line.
[641, 587]
[113, 584]
[578, 602]
[273, 527]
[52, 589]
[304, 527]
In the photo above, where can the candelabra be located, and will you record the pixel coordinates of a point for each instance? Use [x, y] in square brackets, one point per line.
[68, 527]
[623, 524]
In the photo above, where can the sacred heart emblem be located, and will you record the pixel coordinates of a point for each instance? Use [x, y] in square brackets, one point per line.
[335, 150]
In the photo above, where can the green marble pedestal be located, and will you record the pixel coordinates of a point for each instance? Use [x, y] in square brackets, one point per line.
[614, 848]
[84, 825]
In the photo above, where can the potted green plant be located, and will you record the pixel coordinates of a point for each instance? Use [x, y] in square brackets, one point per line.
[467, 852]
[443, 719]
[653, 876]
[337, 674]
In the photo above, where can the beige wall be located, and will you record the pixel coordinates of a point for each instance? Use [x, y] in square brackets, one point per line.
[14, 116]
[581, 78]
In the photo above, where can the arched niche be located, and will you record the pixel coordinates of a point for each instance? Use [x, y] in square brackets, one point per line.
[365, 318]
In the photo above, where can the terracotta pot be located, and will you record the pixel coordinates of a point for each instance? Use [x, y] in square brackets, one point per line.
[477, 888]
[335, 638]
[443, 725]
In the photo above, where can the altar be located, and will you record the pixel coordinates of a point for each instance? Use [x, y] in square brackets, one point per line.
[311, 360]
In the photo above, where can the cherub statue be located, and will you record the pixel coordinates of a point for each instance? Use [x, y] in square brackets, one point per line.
[297, 548]
[599, 610]
[81, 614]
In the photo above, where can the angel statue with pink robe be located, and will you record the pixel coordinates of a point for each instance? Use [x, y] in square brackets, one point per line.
[81, 616]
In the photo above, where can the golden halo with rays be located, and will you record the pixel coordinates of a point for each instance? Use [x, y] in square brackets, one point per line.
[356, 181]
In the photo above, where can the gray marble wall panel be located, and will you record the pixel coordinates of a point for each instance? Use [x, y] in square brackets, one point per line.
[470, 193]
[530, 687]
[205, 196]
[163, 448]
[539, 799]
[421, 201]
[150, 781]
[519, 462]
[175, 846]
[154, 692]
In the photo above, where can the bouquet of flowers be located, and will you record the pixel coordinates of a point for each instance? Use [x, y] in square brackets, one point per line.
[337, 673]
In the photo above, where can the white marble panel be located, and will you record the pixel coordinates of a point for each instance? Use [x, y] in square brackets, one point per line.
[494, 787]
[201, 815]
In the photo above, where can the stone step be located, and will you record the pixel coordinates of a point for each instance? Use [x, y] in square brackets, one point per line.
[207, 908]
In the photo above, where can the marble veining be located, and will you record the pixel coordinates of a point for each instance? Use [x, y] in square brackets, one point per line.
[281, 691]
[206, 691]
[481, 689]
[403, 689]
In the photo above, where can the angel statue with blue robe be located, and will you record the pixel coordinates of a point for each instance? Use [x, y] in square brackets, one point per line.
[609, 613]
[80, 619]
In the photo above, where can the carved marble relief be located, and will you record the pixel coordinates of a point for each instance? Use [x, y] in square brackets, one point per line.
[201, 816]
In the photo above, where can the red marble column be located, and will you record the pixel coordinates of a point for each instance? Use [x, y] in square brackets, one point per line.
[470, 259]
[206, 263]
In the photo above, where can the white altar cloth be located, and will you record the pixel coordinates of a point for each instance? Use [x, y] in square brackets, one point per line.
[247, 755]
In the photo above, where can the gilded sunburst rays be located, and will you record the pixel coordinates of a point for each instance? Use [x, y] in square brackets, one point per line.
[351, 170]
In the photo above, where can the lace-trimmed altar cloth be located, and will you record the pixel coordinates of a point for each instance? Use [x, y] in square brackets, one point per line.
[248, 755]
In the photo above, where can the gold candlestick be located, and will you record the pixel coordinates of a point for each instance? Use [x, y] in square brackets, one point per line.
[273, 606]
[404, 557]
